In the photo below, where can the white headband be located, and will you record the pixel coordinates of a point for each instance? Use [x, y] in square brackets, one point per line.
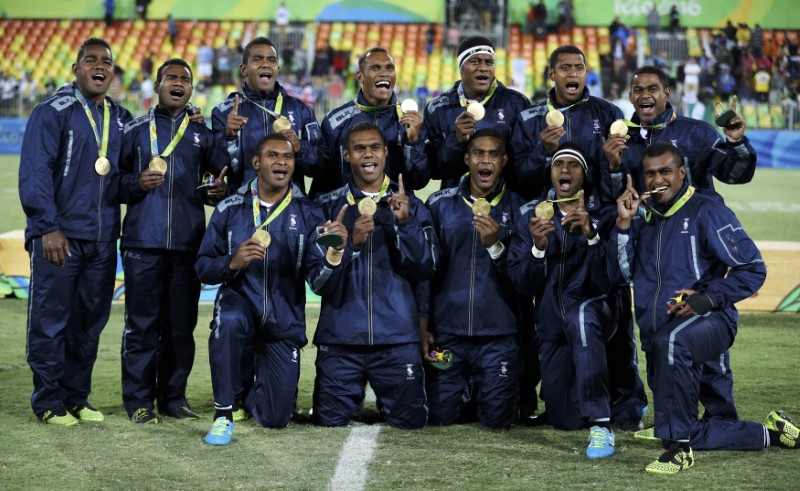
[568, 152]
[482, 49]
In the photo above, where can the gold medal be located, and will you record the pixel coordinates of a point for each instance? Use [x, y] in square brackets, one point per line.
[158, 165]
[367, 206]
[102, 166]
[619, 127]
[281, 124]
[544, 210]
[554, 118]
[262, 237]
[481, 206]
[477, 110]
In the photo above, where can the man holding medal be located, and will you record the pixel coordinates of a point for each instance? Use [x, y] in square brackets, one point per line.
[479, 325]
[674, 241]
[376, 247]
[375, 103]
[256, 245]
[164, 156]
[570, 114]
[262, 107]
[731, 159]
[557, 255]
[475, 102]
[68, 184]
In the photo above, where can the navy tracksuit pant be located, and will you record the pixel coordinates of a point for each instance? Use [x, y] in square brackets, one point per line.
[394, 372]
[161, 295]
[68, 307]
[234, 327]
[491, 364]
[674, 371]
[572, 355]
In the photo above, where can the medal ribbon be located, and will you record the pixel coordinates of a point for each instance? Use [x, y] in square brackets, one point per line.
[154, 136]
[659, 126]
[102, 145]
[646, 210]
[257, 206]
[551, 107]
[368, 109]
[551, 196]
[278, 105]
[351, 200]
[462, 97]
[494, 201]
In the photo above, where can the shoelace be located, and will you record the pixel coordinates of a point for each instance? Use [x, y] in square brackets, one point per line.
[597, 439]
[219, 428]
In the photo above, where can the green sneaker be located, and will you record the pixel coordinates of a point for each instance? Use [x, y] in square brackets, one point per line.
[239, 414]
[788, 429]
[52, 418]
[672, 461]
[85, 412]
[144, 415]
[648, 434]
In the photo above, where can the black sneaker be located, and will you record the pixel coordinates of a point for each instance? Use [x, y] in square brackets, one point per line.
[144, 415]
[183, 412]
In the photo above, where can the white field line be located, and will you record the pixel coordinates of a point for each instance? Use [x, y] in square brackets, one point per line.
[351, 471]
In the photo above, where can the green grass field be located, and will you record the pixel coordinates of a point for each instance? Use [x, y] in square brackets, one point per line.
[170, 455]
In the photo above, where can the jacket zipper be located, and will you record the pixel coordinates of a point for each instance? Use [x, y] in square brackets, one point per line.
[472, 283]
[170, 173]
[369, 290]
[266, 289]
[658, 272]
[561, 274]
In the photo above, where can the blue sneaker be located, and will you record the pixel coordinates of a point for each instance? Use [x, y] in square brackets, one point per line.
[221, 432]
[601, 443]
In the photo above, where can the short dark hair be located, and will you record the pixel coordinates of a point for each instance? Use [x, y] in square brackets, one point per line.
[271, 137]
[171, 62]
[255, 42]
[661, 148]
[363, 58]
[662, 77]
[486, 132]
[565, 50]
[92, 42]
[362, 127]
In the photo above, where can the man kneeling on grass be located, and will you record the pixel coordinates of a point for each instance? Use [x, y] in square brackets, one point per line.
[690, 261]
[256, 246]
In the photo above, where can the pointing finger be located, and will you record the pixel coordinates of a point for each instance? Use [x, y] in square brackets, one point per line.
[400, 188]
[235, 104]
[340, 217]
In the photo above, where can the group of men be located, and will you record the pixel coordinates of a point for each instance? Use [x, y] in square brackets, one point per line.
[451, 310]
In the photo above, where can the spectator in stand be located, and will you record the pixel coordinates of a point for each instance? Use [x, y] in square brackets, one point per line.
[777, 85]
[141, 9]
[224, 64]
[730, 30]
[653, 24]
[540, 20]
[453, 38]
[282, 16]
[486, 15]
[757, 40]
[691, 77]
[726, 84]
[147, 65]
[743, 35]
[761, 85]
[205, 63]
[566, 21]
[674, 19]
[109, 6]
[430, 37]
[147, 91]
[172, 29]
